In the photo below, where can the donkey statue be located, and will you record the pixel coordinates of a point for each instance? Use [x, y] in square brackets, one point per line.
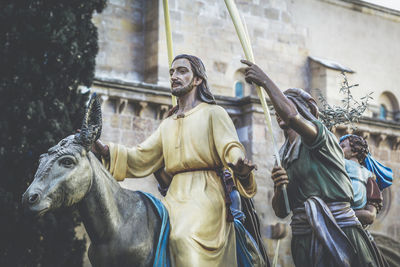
[123, 225]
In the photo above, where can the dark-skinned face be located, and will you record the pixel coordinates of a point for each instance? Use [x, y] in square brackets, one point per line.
[182, 77]
[281, 123]
[345, 145]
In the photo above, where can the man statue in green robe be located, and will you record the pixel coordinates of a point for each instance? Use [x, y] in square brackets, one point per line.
[325, 230]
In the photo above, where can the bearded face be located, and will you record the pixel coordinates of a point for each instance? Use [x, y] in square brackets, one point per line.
[182, 77]
[179, 89]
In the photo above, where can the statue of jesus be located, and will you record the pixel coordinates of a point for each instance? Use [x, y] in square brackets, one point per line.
[193, 144]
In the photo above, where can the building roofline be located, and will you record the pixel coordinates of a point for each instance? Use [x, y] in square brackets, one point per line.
[330, 64]
[374, 6]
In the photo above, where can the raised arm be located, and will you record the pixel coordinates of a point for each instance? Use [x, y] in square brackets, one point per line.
[284, 107]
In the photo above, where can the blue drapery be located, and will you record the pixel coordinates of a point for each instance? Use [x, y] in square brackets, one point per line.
[162, 258]
[243, 256]
[384, 175]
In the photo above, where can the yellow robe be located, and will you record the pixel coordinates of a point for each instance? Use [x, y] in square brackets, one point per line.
[205, 138]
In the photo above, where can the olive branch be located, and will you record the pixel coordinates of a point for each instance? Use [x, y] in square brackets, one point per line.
[351, 110]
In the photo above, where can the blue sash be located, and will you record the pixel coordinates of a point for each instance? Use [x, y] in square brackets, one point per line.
[243, 256]
[384, 175]
[162, 258]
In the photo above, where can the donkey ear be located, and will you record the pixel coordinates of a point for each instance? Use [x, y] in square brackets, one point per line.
[92, 123]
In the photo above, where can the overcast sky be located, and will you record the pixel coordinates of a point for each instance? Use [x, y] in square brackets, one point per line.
[393, 4]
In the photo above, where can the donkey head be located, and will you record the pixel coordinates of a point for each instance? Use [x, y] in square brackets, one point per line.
[64, 175]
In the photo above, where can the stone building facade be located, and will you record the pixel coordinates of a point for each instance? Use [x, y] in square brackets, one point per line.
[300, 43]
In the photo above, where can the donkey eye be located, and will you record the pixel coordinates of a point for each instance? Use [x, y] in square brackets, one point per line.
[67, 162]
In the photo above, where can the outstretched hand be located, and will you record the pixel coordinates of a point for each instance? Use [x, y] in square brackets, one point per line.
[253, 73]
[279, 176]
[242, 167]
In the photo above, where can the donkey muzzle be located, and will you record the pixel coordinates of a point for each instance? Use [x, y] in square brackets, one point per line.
[32, 204]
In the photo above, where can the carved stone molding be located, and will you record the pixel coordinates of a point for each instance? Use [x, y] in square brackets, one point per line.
[378, 138]
[103, 99]
[394, 142]
[139, 108]
[117, 105]
[162, 111]
[341, 130]
[363, 133]
[121, 105]
[109, 105]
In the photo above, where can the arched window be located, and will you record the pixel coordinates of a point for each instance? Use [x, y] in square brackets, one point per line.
[382, 112]
[388, 108]
[239, 89]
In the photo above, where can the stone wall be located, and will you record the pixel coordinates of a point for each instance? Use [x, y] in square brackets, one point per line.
[283, 34]
[204, 28]
[122, 35]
